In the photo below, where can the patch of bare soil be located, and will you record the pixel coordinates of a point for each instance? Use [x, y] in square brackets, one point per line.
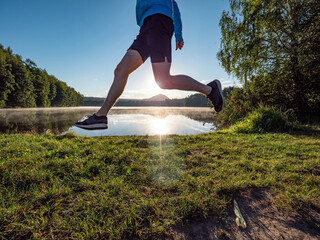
[263, 219]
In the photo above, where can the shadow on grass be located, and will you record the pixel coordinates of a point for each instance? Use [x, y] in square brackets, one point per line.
[307, 130]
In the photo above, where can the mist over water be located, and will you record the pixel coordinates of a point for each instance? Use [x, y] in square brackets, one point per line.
[122, 121]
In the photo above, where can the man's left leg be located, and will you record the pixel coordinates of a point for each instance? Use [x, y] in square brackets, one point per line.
[165, 80]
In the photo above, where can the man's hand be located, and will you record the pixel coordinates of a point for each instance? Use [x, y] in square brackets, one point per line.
[179, 45]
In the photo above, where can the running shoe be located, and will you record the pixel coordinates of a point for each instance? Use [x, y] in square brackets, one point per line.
[216, 96]
[93, 122]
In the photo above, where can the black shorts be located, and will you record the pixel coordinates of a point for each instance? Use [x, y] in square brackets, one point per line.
[154, 39]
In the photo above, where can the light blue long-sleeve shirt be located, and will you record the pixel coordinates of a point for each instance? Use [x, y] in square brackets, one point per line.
[145, 8]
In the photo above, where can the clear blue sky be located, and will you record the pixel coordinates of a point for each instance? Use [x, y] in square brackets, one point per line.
[82, 41]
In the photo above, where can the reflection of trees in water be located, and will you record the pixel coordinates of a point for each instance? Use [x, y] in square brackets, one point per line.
[59, 120]
[38, 120]
[204, 115]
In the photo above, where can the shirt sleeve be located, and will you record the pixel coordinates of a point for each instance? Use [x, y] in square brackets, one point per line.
[177, 22]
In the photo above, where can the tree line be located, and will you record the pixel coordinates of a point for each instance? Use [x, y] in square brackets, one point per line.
[194, 100]
[23, 84]
[272, 46]
[96, 101]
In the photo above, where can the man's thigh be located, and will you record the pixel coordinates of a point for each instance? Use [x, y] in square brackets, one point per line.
[130, 62]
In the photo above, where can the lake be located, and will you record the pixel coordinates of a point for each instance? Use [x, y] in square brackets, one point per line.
[122, 121]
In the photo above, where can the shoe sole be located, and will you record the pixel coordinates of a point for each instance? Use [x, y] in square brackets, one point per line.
[93, 127]
[220, 91]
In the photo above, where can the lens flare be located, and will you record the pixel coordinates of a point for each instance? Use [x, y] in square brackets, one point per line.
[160, 126]
[165, 163]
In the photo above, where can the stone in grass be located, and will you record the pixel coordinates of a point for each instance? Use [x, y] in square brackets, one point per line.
[239, 218]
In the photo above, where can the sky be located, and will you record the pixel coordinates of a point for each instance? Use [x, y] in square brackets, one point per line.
[82, 41]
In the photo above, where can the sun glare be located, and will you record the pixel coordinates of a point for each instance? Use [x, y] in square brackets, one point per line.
[160, 126]
[154, 88]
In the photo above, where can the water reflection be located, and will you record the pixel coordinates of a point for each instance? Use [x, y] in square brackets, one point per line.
[160, 126]
[56, 120]
[122, 121]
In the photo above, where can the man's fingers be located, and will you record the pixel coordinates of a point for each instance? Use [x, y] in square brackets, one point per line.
[179, 45]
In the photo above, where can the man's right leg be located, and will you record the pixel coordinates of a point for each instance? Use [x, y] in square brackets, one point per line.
[130, 62]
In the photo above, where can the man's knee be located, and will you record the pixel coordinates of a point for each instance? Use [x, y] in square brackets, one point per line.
[121, 72]
[163, 82]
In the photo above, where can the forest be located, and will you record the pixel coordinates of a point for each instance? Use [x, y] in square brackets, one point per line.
[272, 47]
[24, 85]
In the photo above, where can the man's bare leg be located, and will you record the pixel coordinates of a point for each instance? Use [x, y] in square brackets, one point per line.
[163, 78]
[130, 62]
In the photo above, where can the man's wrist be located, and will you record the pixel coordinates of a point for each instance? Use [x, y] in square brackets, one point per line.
[179, 38]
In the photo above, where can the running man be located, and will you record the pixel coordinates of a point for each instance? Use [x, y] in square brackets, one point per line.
[158, 20]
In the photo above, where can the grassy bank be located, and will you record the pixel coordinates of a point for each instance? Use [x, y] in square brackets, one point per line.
[125, 187]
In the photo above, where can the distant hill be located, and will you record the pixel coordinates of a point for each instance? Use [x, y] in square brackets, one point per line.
[159, 97]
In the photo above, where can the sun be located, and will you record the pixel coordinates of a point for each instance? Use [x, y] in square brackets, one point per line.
[154, 88]
[160, 126]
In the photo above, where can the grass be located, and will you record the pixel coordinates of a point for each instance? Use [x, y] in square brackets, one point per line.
[68, 187]
[263, 120]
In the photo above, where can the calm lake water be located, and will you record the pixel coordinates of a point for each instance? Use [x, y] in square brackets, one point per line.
[122, 121]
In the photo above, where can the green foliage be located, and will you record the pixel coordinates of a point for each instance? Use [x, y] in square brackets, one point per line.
[226, 92]
[22, 94]
[196, 100]
[6, 78]
[273, 48]
[264, 120]
[41, 84]
[236, 107]
[53, 89]
[23, 84]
